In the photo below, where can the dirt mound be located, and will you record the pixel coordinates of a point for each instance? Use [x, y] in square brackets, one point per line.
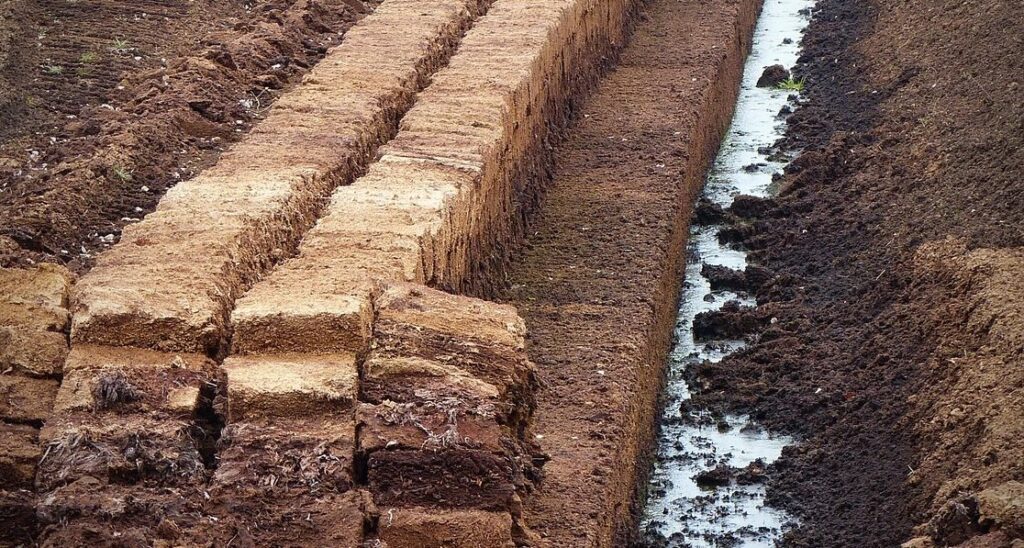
[898, 230]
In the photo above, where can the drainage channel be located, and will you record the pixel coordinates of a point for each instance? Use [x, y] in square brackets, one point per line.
[707, 484]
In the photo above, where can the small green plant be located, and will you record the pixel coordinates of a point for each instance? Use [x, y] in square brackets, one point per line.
[55, 70]
[89, 57]
[120, 46]
[121, 173]
[791, 84]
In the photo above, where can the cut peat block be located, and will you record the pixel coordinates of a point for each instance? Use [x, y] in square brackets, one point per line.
[291, 423]
[29, 351]
[446, 391]
[271, 386]
[469, 337]
[297, 310]
[449, 478]
[435, 528]
[26, 399]
[310, 453]
[122, 449]
[127, 415]
[19, 453]
[294, 517]
[18, 515]
[33, 320]
[129, 381]
[35, 298]
[93, 514]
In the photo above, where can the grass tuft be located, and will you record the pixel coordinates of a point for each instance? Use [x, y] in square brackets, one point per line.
[122, 173]
[791, 84]
[120, 46]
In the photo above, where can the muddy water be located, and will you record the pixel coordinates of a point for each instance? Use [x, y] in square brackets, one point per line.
[683, 509]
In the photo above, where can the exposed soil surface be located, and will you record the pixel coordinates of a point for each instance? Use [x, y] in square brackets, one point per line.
[107, 104]
[889, 330]
[599, 277]
[895, 349]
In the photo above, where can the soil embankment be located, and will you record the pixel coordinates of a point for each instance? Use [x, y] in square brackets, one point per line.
[599, 277]
[895, 346]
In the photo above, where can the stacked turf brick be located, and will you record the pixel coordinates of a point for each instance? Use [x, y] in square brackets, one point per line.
[446, 400]
[33, 344]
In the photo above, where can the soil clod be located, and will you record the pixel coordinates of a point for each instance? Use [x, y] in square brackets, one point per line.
[772, 76]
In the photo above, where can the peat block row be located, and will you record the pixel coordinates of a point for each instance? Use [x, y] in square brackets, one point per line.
[431, 423]
[422, 441]
[171, 281]
[445, 199]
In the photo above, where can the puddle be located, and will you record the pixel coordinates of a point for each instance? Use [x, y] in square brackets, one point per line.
[681, 511]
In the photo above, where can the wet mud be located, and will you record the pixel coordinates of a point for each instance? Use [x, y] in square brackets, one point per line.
[894, 241]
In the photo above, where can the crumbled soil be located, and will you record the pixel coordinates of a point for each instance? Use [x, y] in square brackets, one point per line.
[110, 104]
[896, 244]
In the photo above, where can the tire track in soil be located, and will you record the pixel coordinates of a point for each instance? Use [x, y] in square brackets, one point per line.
[147, 94]
[599, 277]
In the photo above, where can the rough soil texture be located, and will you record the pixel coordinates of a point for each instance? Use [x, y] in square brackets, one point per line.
[598, 279]
[897, 246]
[106, 105]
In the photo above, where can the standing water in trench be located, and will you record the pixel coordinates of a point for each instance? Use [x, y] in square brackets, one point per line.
[689, 504]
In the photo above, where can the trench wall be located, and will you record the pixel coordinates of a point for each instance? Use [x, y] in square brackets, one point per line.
[599, 280]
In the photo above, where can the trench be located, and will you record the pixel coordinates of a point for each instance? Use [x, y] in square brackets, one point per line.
[707, 485]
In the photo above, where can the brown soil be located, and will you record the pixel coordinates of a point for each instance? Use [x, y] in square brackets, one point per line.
[896, 244]
[888, 331]
[598, 279]
[111, 104]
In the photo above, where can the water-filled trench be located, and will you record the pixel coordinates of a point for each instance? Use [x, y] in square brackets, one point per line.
[688, 504]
